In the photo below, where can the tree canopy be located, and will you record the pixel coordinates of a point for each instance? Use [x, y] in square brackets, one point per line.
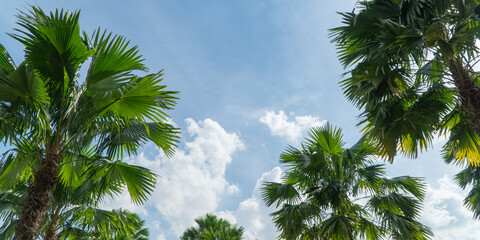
[333, 192]
[412, 74]
[212, 228]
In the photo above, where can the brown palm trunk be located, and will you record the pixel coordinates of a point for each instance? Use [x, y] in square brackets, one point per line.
[52, 228]
[38, 197]
[468, 92]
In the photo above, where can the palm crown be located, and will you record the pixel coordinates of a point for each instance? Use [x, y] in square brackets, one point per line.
[413, 74]
[65, 122]
[332, 192]
[212, 228]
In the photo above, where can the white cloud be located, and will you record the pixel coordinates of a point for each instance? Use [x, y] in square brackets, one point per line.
[439, 202]
[227, 215]
[252, 213]
[161, 237]
[192, 182]
[445, 214]
[123, 201]
[292, 130]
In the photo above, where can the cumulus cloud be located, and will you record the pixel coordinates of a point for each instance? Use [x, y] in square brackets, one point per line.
[192, 182]
[161, 237]
[441, 202]
[227, 215]
[124, 201]
[279, 124]
[445, 214]
[254, 215]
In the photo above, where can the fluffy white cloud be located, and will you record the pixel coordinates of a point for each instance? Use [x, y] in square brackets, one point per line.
[192, 182]
[292, 130]
[254, 215]
[445, 214]
[227, 215]
[440, 202]
[124, 201]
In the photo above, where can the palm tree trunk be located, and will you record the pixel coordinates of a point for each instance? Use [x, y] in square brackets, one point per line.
[52, 228]
[38, 197]
[468, 92]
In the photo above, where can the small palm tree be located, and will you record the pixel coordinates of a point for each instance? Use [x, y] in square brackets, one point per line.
[413, 74]
[212, 228]
[105, 225]
[332, 192]
[46, 107]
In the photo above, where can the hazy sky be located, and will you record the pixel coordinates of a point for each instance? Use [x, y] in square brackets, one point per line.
[253, 76]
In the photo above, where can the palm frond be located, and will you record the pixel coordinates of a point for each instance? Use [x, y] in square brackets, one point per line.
[113, 62]
[277, 192]
[53, 47]
[112, 176]
[472, 201]
[6, 61]
[463, 144]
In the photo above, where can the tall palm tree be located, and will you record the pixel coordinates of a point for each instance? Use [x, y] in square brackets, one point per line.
[46, 105]
[413, 74]
[333, 192]
[68, 221]
[74, 211]
[212, 228]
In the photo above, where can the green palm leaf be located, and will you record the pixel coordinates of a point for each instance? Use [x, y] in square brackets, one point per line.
[54, 47]
[112, 176]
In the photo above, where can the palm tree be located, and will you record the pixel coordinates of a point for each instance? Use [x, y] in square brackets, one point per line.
[333, 192]
[83, 221]
[45, 105]
[105, 225]
[74, 211]
[413, 74]
[212, 228]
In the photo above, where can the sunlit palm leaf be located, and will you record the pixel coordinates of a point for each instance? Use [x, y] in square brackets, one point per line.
[6, 62]
[54, 48]
[112, 63]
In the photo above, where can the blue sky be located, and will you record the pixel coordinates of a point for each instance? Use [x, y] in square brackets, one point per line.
[253, 76]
